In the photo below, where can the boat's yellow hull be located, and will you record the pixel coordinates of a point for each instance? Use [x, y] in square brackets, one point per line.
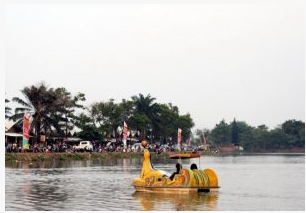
[173, 190]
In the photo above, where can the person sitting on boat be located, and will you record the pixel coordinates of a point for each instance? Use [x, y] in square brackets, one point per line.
[178, 170]
[193, 166]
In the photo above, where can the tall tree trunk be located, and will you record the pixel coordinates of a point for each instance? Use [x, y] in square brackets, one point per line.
[38, 132]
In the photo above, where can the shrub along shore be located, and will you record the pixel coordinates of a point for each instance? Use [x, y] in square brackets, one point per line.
[63, 156]
[66, 156]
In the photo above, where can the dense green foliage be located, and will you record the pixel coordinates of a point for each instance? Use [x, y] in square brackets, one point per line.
[289, 135]
[153, 121]
[53, 113]
[51, 109]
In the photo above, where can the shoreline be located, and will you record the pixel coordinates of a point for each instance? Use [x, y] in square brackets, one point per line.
[66, 156]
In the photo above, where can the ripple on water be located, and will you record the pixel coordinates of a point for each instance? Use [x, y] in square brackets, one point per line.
[247, 183]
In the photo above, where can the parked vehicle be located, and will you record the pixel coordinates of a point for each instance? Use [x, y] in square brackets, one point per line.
[84, 146]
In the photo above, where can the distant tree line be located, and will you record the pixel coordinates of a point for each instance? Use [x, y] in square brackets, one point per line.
[55, 111]
[289, 135]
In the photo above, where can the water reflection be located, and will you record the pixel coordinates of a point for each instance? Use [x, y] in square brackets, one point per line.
[46, 195]
[38, 189]
[68, 164]
[178, 202]
[106, 185]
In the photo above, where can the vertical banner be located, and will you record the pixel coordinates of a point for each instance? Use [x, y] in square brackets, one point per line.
[125, 134]
[119, 130]
[25, 131]
[204, 140]
[179, 138]
[189, 141]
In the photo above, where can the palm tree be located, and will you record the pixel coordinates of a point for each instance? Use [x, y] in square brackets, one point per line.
[7, 109]
[146, 110]
[45, 106]
[144, 105]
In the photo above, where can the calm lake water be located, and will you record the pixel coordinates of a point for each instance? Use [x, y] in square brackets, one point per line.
[248, 182]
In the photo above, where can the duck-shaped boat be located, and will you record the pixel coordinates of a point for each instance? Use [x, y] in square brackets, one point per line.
[186, 181]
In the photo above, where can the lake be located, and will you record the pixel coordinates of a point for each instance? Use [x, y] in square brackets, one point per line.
[262, 182]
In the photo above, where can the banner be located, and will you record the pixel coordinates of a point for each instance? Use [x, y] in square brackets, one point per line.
[125, 134]
[119, 130]
[204, 140]
[189, 141]
[25, 131]
[179, 138]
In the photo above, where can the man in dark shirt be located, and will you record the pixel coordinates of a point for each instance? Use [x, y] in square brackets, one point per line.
[178, 170]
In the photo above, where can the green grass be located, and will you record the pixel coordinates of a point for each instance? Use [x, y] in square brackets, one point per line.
[35, 157]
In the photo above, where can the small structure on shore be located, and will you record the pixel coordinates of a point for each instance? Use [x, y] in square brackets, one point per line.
[13, 133]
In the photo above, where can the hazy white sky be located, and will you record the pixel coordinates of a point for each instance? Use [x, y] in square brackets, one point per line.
[214, 61]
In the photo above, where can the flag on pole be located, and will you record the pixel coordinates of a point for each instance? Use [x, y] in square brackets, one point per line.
[204, 140]
[179, 138]
[119, 130]
[25, 131]
[125, 134]
[189, 141]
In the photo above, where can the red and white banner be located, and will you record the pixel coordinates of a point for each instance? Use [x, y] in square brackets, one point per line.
[189, 141]
[125, 131]
[179, 138]
[204, 140]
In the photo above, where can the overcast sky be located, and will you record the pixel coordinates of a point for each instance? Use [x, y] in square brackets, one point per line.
[214, 61]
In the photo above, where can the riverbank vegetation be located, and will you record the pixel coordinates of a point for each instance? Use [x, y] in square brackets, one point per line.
[36, 157]
[55, 112]
[290, 135]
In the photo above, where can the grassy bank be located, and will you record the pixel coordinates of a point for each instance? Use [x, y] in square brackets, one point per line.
[34, 157]
[64, 156]
[48, 157]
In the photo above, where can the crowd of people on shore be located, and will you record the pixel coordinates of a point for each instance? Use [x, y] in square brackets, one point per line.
[62, 146]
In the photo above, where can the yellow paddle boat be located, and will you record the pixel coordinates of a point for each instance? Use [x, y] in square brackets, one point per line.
[186, 181]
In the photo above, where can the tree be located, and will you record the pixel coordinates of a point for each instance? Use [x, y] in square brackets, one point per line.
[201, 133]
[37, 104]
[46, 105]
[260, 138]
[140, 122]
[185, 123]
[234, 132]
[89, 131]
[145, 105]
[244, 132]
[278, 139]
[294, 129]
[70, 104]
[220, 134]
[146, 108]
[106, 115]
[7, 109]
[167, 125]
[125, 108]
